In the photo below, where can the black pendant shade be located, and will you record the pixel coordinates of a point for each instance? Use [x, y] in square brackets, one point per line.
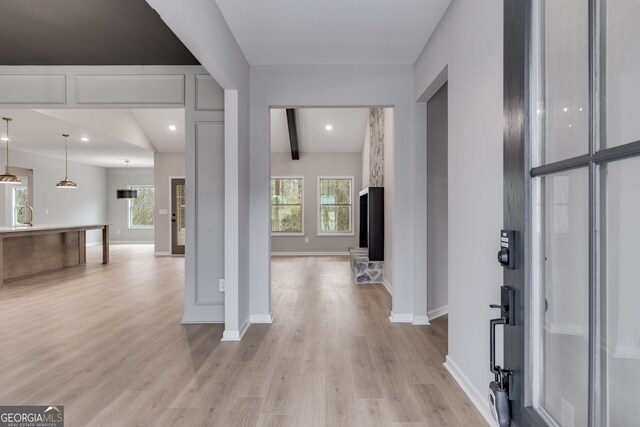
[127, 194]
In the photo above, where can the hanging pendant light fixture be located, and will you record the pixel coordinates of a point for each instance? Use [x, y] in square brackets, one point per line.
[66, 182]
[127, 193]
[6, 177]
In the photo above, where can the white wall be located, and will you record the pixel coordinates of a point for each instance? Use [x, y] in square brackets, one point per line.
[311, 166]
[333, 86]
[468, 44]
[118, 209]
[201, 27]
[437, 212]
[86, 204]
[165, 165]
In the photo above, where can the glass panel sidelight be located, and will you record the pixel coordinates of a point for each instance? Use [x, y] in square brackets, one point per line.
[561, 310]
[619, 298]
[561, 79]
[622, 71]
[180, 217]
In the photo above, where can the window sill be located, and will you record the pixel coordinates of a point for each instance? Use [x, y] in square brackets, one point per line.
[140, 227]
[275, 234]
[335, 234]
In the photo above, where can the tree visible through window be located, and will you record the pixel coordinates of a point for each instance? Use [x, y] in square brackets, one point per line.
[141, 209]
[20, 200]
[286, 205]
[335, 205]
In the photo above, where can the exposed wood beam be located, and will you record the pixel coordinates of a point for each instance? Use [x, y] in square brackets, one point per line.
[293, 134]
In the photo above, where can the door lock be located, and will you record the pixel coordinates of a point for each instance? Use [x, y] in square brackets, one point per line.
[506, 254]
[499, 388]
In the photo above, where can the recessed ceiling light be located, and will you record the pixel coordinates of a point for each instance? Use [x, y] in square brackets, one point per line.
[328, 127]
[172, 127]
[84, 139]
[4, 138]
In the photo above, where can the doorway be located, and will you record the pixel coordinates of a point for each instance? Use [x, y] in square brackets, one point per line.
[437, 205]
[177, 216]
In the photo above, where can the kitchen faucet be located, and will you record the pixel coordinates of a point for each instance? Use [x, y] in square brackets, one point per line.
[30, 222]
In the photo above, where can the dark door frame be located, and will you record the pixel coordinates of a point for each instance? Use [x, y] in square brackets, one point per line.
[175, 249]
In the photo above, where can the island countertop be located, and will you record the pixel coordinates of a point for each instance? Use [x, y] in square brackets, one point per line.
[50, 228]
[28, 250]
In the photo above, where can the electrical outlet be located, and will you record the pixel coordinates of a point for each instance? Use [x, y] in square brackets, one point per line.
[118, 232]
[306, 240]
[567, 414]
[221, 285]
[46, 211]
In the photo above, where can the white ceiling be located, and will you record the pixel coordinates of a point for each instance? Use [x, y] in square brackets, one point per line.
[332, 31]
[114, 135]
[347, 135]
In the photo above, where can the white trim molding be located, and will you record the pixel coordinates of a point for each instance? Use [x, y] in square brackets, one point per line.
[401, 317]
[309, 253]
[421, 320]
[228, 335]
[188, 319]
[479, 400]
[387, 286]
[437, 312]
[261, 318]
[130, 242]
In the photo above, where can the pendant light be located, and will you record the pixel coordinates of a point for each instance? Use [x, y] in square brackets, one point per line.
[6, 177]
[127, 193]
[66, 182]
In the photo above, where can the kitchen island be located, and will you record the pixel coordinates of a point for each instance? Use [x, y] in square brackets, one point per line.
[29, 250]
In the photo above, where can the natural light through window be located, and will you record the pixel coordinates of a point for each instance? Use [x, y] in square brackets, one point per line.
[335, 215]
[20, 200]
[141, 208]
[286, 205]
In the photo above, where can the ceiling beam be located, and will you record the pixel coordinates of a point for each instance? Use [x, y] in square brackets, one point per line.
[293, 134]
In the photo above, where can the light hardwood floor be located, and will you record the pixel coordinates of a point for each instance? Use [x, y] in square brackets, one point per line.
[106, 342]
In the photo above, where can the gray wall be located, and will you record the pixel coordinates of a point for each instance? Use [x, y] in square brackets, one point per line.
[437, 211]
[166, 165]
[86, 204]
[310, 166]
[118, 210]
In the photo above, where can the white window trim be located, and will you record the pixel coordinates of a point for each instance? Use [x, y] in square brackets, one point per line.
[334, 234]
[141, 227]
[288, 233]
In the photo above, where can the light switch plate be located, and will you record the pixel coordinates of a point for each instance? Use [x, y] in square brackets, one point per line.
[221, 284]
[163, 212]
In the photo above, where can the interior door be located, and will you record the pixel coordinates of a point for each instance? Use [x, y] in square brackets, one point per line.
[177, 216]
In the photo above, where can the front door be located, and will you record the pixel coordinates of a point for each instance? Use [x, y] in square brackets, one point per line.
[177, 216]
[571, 185]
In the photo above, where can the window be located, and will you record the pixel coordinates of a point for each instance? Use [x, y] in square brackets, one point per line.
[20, 200]
[286, 206]
[336, 198]
[141, 209]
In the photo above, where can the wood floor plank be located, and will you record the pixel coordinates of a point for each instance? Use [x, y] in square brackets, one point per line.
[106, 342]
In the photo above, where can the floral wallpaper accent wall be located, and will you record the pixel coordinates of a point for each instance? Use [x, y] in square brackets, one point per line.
[376, 152]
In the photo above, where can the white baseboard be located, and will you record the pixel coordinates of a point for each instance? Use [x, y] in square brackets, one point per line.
[89, 244]
[309, 253]
[168, 254]
[130, 242]
[236, 335]
[261, 318]
[401, 317]
[188, 319]
[479, 400]
[421, 320]
[387, 286]
[437, 312]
